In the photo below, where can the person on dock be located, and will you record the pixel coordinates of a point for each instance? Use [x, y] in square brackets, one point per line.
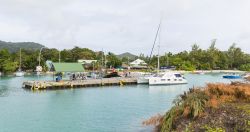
[59, 77]
[74, 76]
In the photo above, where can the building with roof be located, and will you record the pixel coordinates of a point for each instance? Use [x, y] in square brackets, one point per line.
[138, 64]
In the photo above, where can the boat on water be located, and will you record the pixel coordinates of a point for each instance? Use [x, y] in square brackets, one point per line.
[144, 79]
[232, 76]
[247, 75]
[199, 72]
[167, 78]
[162, 78]
[19, 72]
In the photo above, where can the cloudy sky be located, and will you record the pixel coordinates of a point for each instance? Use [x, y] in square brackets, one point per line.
[126, 25]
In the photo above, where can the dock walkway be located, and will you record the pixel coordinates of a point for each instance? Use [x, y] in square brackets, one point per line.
[39, 85]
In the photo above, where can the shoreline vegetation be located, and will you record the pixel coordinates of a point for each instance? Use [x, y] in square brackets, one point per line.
[196, 59]
[143, 71]
[215, 107]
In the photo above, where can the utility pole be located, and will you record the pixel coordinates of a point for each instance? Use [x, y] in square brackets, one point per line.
[59, 56]
[167, 59]
[102, 57]
[105, 61]
[128, 61]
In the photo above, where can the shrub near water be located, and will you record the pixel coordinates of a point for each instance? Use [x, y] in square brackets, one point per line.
[193, 104]
[190, 104]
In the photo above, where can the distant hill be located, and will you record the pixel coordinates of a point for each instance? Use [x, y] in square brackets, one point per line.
[13, 47]
[127, 54]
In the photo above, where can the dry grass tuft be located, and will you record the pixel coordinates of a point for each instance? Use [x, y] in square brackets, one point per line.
[213, 102]
[192, 103]
[228, 92]
[155, 120]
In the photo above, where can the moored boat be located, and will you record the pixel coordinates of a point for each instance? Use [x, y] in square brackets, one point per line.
[167, 78]
[247, 75]
[20, 73]
[232, 76]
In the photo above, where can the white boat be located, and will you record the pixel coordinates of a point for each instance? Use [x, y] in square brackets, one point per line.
[167, 78]
[162, 78]
[20, 73]
[144, 79]
[247, 75]
[199, 72]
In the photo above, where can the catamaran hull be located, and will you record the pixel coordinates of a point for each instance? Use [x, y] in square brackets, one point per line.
[166, 82]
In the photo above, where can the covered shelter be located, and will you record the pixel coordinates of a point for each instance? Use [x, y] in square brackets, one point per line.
[66, 67]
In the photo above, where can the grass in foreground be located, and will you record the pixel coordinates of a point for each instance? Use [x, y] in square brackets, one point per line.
[216, 107]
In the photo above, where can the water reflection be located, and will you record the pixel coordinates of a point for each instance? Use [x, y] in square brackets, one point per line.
[4, 92]
[167, 88]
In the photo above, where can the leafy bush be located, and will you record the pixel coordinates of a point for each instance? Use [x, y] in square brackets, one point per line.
[191, 104]
[245, 67]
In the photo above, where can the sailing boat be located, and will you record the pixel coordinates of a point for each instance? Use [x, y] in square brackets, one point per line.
[20, 73]
[162, 78]
[145, 79]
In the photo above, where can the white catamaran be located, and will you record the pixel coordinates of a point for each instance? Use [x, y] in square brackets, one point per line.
[20, 73]
[162, 78]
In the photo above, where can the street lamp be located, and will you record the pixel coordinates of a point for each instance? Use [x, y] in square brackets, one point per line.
[40, 55]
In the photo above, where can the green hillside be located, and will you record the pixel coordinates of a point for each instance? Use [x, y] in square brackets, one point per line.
[13, 47]
[126, 55]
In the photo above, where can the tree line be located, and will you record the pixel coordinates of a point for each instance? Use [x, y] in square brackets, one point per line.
[196, 59]
[206, 59]
[9, 61]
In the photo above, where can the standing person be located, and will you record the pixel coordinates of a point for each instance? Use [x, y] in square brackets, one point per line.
[74, 76]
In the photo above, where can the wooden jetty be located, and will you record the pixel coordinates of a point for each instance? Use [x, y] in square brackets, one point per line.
[40, 85]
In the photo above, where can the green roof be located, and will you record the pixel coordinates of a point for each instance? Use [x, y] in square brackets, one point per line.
[67, 67]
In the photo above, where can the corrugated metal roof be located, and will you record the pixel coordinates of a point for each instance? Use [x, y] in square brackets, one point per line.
[68, 67]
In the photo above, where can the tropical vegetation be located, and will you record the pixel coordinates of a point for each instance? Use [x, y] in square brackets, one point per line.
[195, 59]
[216, 107]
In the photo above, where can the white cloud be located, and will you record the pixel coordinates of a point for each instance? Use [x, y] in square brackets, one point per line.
[129, 25]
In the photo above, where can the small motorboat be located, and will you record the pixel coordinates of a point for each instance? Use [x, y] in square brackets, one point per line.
[19, 73]
[232, 76]
[247, 75]
[198, 72]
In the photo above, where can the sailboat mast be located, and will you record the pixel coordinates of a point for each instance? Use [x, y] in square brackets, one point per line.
[102, 58]
[156, 35]
[158, 61]
[20, 59]
[158, 57]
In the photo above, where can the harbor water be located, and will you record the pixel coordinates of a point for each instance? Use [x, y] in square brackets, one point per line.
[93, 109]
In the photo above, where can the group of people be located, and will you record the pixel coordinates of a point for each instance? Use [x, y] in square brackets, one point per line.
[76, 76]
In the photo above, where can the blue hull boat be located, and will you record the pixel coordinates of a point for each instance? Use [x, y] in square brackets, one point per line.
[232, 76]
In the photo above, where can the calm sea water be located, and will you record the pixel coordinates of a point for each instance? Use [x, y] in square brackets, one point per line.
[99, 109]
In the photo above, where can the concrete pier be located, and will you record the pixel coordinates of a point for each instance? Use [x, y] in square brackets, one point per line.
[39, 85]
